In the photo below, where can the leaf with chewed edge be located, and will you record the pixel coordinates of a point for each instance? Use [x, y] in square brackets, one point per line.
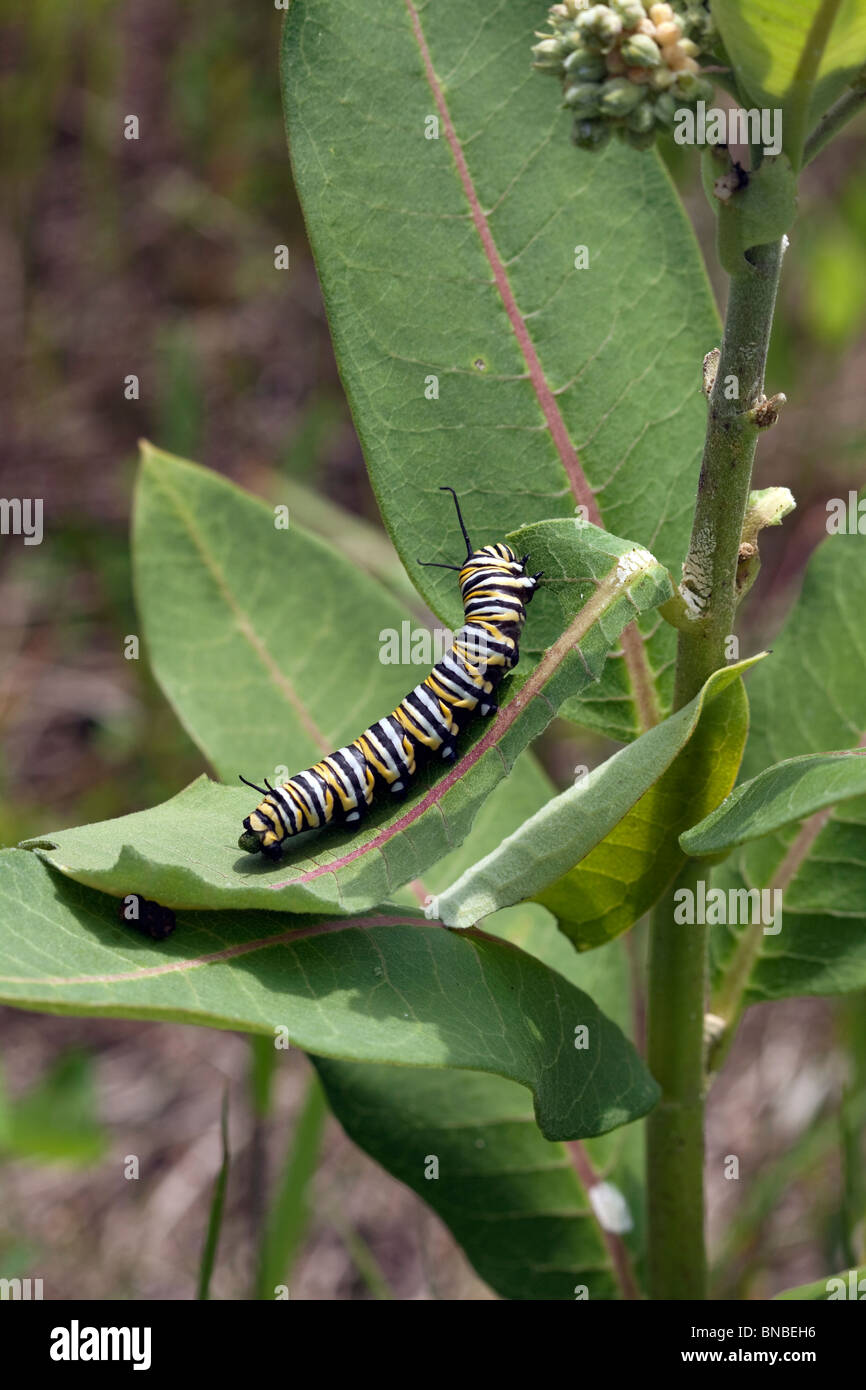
[389, 988]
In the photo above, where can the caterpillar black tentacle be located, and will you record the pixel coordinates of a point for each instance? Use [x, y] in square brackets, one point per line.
[495, 589]
[255, 786]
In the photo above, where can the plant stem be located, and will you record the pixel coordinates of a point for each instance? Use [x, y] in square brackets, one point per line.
[709, 574]
[850, 104]
[678, 954]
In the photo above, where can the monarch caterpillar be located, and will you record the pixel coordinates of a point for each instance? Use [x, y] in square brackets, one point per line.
[495, 589]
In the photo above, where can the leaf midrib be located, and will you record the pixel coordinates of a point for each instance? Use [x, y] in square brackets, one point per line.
[242, 620]
[634, 648]
[242, 948]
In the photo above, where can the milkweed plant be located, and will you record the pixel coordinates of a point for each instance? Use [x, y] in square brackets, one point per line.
[520, 313]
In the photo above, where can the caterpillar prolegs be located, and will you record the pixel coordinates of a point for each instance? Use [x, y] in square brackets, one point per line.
[495, 589]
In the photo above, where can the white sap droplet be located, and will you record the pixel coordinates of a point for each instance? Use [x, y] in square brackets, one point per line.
[610, 1207]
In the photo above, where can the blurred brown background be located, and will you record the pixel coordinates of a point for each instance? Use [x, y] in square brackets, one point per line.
[155, 258]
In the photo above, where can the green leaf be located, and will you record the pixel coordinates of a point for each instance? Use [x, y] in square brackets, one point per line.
[810, 698]
[547, 857]
[511, 802]
[492, 1157]
[184, 853]
[627, 873]
[251, 630]
[512, 1200]
[364, 544]
[787, 792]
[615, 705]
[557, 387]
[388, 988]
[850, 1284]
[798, 57]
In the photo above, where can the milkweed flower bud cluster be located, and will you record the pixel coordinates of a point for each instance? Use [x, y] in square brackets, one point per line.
[625, 66]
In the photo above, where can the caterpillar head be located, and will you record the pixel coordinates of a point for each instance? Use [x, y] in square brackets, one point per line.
[500, 555]
[502, 559]
[262, 830]
[260, 842]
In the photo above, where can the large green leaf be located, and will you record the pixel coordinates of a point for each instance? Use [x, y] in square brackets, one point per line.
[512, 1199]
[810, 697]
[250, 629]
[798, 57]
[364, 544]
[517, 1203]
[557, 386]
[627, 873]
[184, 853]
[384, 989]
[788, 792]
[548, 857]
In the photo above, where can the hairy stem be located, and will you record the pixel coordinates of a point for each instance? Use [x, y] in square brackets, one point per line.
[678, 954]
